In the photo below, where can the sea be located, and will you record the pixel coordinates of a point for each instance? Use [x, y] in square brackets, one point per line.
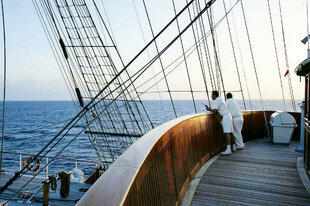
[29, 125]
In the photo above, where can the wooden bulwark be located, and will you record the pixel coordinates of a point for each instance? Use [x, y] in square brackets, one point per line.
[168, 169]
[157, 169]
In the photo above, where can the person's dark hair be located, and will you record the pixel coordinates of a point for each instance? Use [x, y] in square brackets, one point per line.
[229, 95]
[215, 93]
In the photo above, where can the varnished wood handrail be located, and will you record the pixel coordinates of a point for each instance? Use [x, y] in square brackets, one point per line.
[157, 169]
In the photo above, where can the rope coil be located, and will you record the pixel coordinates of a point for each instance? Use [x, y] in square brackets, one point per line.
[53, 182]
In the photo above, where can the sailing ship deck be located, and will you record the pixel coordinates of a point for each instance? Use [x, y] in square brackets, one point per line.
[262, 174]
[77, 190]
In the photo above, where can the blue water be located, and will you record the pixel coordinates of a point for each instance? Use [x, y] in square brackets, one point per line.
[23, 118]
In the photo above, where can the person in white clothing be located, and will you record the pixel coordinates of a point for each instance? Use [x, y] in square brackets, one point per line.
[218, 105]
[237, 119]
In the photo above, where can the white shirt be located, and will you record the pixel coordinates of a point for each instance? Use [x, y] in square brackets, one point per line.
[220, 105]
[233, 108]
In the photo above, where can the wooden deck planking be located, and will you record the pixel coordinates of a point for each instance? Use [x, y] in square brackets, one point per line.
[262, 174]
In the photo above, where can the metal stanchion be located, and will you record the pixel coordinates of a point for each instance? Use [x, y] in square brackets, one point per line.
[300, 148]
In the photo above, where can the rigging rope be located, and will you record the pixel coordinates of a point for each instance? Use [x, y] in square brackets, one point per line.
[206, 49]
[286, 60]
[41, 169]
[134, 88]
[198, 49]
[56, 36]
[276, 53]
[92, 102]
[63, 47]
[200, 41]
[217, 48]
[254, 66]
[109, 23]
[54, 50]
[58, 55]
[241, 59]
[74, 121]
[94, 85]
[77, 74]
[148, 54]
[234, 53]
[4, 83]
[184, 91]
[185, 62]
[217, 61]
[92, 65]
[160, 60]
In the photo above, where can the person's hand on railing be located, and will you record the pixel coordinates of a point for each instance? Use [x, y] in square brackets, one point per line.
[208, 108]
[215, 111]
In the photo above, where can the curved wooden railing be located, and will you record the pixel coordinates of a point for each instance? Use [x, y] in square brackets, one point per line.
[157, 169]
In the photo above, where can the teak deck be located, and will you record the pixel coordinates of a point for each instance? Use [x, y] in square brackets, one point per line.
[262, 174]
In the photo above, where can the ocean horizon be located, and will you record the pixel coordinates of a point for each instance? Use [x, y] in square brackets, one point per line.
[30, 125]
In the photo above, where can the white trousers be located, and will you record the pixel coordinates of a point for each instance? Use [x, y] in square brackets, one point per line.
[227, 123]
[237, 127]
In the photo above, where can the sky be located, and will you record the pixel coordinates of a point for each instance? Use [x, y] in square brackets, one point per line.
[33, 74]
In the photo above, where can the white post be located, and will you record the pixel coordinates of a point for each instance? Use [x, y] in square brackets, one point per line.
[47, 167]
[300, 148]
[76, 164]
[20, 162]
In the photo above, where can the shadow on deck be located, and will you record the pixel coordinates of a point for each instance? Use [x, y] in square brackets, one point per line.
[262, 174]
